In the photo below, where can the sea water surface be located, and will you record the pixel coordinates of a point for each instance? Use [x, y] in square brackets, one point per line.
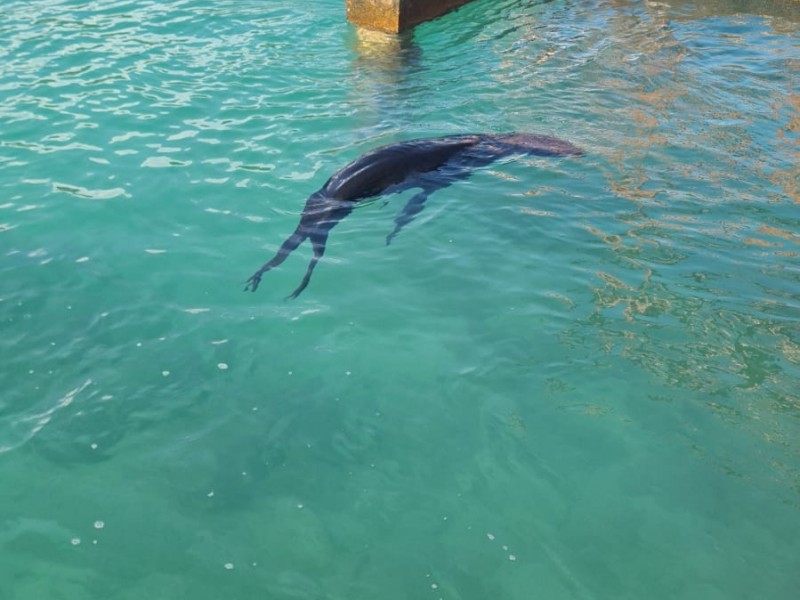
[567, 379]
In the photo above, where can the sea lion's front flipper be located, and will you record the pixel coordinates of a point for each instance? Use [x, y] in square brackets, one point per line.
[412, 208]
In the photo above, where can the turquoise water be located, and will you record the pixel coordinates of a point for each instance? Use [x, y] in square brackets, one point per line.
[568, 378]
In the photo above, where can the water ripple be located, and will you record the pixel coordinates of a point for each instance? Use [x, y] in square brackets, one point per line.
[611, 340]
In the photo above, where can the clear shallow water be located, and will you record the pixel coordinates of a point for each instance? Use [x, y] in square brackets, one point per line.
[567, 379]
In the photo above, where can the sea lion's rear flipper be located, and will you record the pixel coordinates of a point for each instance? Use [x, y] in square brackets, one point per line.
[318, 241]
[292, 242]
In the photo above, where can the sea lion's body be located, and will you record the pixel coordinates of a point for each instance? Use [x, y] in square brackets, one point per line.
[430, 164]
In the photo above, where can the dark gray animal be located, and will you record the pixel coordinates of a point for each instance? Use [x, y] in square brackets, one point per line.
[430, 164]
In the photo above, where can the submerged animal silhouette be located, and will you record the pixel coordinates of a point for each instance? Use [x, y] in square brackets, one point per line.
[430, 164]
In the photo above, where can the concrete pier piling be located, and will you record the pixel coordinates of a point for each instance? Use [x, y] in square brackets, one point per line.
[397, 15]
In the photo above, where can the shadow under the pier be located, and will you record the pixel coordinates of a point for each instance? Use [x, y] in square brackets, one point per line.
[384, 71]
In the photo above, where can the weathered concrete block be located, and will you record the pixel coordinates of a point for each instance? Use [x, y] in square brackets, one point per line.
[397, 15]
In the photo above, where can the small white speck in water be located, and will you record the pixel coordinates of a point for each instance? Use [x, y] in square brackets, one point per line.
[490, 536]
[165, 373]
[512, 557]
[299, 506]
[229, 566]
[93, 446]
[222, 366]
[99, 524]
[75, 541]
[434, 586]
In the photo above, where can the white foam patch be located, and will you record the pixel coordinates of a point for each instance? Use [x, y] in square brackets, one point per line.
[182, 135]
[82, 192]
[130, 135]
[160, 162]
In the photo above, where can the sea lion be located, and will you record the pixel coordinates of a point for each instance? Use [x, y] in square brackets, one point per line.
[429, 163]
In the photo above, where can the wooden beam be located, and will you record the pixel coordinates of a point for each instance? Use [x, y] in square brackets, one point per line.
[397, 15]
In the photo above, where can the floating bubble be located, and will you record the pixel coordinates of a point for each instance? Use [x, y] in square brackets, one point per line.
[229, 566]
[222, 366]
[75, 541]
[99, 524]
[490, 536]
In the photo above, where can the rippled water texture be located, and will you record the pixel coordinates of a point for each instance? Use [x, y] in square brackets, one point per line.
[567, 379]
